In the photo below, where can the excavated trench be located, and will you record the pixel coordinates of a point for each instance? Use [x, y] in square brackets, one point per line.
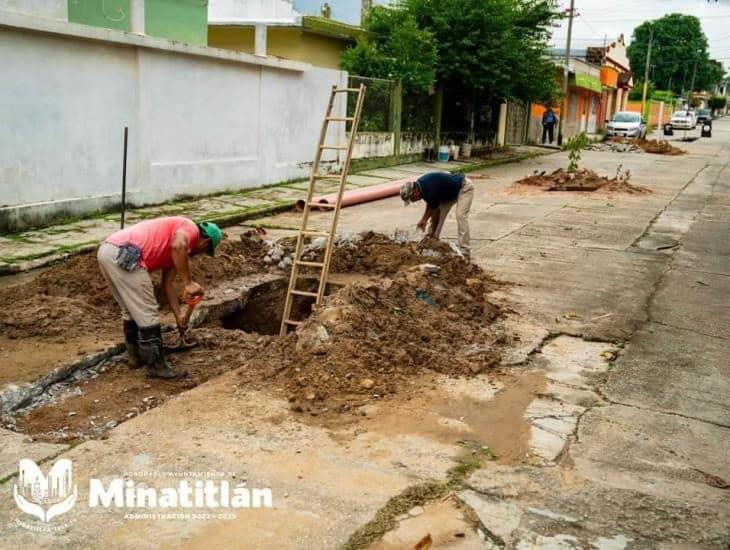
[414, 296]
[97, 394]
[261, 311]
[88, 398]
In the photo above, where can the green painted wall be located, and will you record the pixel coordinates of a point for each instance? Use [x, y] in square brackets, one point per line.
[181, 20]
[111, 14]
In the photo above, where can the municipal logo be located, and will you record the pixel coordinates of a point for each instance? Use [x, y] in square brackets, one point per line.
[45, 497]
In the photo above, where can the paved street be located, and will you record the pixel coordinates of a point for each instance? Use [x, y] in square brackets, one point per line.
[620, 380]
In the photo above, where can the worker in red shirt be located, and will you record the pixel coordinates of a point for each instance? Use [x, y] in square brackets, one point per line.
[126, 259]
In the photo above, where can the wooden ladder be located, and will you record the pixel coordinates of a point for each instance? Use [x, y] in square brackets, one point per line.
[305, 231]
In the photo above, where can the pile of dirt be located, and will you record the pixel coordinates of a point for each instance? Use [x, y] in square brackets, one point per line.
[659, 147]
[369, 340]
[233, 258]
[376, 254]
[583, 180]
[428, 313]
[70, 299]
[73, 298]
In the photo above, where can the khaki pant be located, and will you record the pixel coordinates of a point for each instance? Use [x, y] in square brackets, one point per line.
[463, 205]
[132, 290]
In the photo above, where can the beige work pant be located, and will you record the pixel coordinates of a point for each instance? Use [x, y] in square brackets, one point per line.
[132, 290]
[463, 205]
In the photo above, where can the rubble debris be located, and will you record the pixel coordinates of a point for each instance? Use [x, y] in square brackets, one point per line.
[659, 147]
[583, 180]
[622, 145]
[380, 335]
[615, 147]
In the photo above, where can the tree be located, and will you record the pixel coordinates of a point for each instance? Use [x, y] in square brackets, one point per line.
[497, 47]
[395, 48]
[717, 102]
[679, 50]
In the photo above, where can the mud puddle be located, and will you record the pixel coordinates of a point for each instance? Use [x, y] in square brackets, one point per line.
[484, 412]
[442, 524]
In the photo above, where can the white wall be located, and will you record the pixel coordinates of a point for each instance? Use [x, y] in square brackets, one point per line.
[63, 104]
[382, 144]
[50, 9]
[415, 142]
[197, 124]
[239, 11]
[373, 144]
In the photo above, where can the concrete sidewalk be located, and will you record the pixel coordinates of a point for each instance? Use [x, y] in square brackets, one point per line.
[30, 249]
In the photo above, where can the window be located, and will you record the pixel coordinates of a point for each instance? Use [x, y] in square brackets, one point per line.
[626, 117]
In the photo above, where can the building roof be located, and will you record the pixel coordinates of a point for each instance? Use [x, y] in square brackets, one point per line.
[332, 28]
[277, 13]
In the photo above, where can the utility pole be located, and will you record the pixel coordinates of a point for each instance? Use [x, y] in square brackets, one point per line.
[365, 8]
[692, 85]
[566, 75]
[646, 73]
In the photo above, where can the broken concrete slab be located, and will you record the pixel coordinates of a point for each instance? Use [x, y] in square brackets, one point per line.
[527, 337]
[573, 361]
[673, 370]
[16, 446]
[500, 518]
[685, 303]
[662, 455]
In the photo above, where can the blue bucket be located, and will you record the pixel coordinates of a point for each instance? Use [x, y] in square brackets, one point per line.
[443, 154]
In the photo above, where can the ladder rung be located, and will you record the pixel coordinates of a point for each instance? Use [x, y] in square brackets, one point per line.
[340, 118]
[304, 293]
[338, 147]
[321, 205]
[345, 90]
[315, 232]
[327, 176]
[291, 322]
[310, 264]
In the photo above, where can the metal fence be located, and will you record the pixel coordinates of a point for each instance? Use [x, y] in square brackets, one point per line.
[378, 104]
[418, 112]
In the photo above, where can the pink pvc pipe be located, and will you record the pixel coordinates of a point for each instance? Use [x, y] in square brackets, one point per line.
[365, 194]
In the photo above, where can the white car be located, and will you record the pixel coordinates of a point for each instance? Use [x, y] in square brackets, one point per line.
[683, 120]
[626, 124]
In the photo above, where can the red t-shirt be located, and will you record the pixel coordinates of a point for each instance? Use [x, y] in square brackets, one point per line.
[154, 238]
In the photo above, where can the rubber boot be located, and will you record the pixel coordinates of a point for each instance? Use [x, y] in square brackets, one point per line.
[150, 348]
[131, 338]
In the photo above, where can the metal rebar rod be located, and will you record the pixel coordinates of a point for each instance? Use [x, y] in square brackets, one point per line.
[124, 176]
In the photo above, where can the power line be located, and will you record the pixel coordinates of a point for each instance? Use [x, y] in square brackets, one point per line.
[724, 16]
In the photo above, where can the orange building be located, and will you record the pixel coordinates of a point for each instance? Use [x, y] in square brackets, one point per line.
[616, 77]
[584, 99]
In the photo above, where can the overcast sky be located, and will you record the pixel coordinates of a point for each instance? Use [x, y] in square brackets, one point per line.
[613, 17]
[597, 18]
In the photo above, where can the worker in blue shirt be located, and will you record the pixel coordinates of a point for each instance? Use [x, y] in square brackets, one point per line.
[441, 191]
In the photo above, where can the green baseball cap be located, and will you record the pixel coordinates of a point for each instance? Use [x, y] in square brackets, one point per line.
[211, 231]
